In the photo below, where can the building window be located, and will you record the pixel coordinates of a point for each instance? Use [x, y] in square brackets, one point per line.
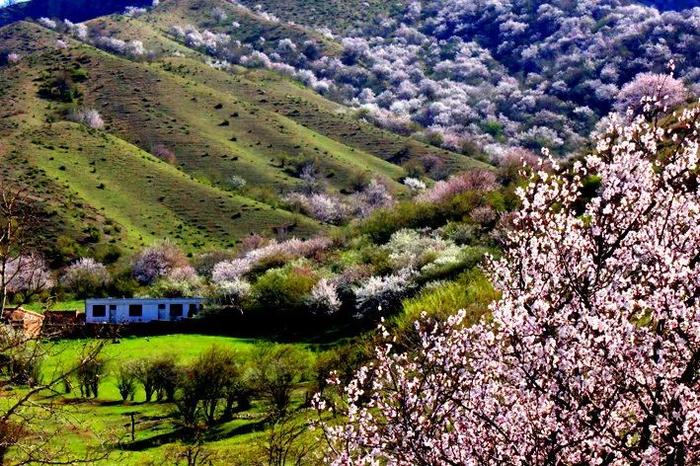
[161, 306]
[99, 310]
[135, 310]
[176, 310]
[193, 310]
[112, 307]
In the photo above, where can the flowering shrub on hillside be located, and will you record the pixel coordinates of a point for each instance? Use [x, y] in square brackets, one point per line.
[234, 269]
[381, 294]
[414, 184]
[28, 275]
[648, 87]
[324, 297]
[88, 117]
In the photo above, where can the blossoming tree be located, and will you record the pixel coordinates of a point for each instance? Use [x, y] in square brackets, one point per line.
[591, 355]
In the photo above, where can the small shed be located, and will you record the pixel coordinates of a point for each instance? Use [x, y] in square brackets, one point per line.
[21, 320]
[136, 310]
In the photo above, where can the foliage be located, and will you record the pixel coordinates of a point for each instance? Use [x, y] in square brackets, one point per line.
[88, 117]
[88, 376]
[283, 290]
[214, 380]
[378, 295]
[126, 379]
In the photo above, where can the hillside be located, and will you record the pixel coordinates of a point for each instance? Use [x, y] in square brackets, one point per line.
[210, 125]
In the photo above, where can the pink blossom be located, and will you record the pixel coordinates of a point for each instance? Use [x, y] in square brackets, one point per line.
[591, 355]
[474, 180]
[157, 262]
[85, 276]
[27, 274]
[635, 94]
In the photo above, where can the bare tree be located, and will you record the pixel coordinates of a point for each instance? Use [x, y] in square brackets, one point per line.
[18, 221]
[194, 453]
[31, 414]
[288, 442]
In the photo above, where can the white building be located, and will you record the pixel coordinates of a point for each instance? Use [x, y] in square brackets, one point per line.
[131, 310]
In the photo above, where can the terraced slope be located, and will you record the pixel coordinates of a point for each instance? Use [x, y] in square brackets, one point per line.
[264, 89]
[105, 187]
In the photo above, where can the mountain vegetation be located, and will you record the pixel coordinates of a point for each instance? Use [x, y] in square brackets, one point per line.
[435, 232]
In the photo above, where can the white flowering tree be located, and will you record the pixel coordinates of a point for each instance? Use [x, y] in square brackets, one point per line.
[592, 354]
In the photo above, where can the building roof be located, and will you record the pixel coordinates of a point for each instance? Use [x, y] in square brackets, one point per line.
[141, 300]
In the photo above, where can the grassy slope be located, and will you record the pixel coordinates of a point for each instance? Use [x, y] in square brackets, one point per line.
[262, 89]
[142, 104]
[249, 123]
[65, 216]
[148, 197]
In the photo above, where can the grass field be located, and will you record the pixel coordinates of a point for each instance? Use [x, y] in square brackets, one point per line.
[107, 418]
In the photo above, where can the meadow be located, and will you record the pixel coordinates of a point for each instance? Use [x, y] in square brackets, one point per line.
[87, 423]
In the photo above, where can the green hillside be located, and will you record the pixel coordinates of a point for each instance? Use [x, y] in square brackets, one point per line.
[106, 189]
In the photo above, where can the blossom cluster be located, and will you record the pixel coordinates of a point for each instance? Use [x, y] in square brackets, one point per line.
[473, 180]
[334, 209]
[590, 356]
[85, 274]
[235, 269]
[493, 72]
[88, 117]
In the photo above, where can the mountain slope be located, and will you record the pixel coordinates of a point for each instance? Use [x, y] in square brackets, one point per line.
[105, 188]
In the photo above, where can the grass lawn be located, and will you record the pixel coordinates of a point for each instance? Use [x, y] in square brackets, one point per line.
[107, 418]
[74, 305]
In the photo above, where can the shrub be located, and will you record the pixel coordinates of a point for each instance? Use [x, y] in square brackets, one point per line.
[283, 289]
[157, 261]
[323, 207]
[378, 295]
[165, 375]
[23, 365]
[88, 375]
[88, 117]
[236, 182]
[473, 180]
[275, 372]
[27, 276]
[230, 293]
[211, 386]
[324, 297]
[126, 379]
[414, 184]
[164, 153]
[86, 278]
[60, 86]
[647, 88]
[471, 292]
[182, 281]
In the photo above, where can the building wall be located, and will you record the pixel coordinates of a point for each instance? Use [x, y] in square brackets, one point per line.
[150, 310]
